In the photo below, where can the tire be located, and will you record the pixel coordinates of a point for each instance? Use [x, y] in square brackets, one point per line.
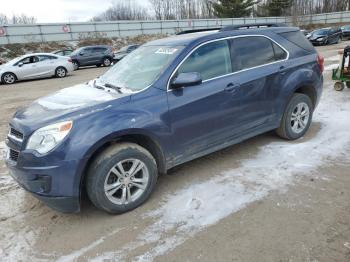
[297, 117]
[8, 78]
[76, 65]
[107, 62]
[60, 72]
[106, 175]
[339, 86]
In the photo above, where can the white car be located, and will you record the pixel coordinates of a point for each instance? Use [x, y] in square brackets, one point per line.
[39, 65]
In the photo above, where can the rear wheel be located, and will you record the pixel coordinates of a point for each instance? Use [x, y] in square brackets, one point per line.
[297, 117]
[61, 72]
[75, 64]
[339, 86]
[121, 178]
[8, 78]
[107, 61]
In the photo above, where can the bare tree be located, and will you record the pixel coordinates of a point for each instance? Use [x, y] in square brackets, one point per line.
[17, 19]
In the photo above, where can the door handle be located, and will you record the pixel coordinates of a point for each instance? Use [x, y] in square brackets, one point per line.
[283, 70]
[232, 88]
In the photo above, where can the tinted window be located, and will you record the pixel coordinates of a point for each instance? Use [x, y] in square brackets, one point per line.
[99, 49]
[46, 57]
[280, 54]
[297, 38]
[210, 60]
[251, 52]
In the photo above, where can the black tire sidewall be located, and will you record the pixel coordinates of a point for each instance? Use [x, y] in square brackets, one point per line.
[99, 172]
[110, 61]
[296, 99]
[65, 70]
[3, 78]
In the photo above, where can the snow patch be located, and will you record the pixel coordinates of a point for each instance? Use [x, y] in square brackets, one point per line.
[191, 209]
[331, 67]
[332, 58]
[3, 150]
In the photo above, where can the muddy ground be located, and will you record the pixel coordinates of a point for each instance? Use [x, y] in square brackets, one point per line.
[265, 199]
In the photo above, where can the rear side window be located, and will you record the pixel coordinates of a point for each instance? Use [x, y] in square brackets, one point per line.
[253, 51]
[210, 60]
[99, 50]
[297, 38]
[280, 54]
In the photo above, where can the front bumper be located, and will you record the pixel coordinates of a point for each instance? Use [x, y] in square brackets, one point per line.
[55, 185]
[314, 42]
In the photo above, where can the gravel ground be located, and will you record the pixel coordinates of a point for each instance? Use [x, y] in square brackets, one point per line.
[262, 200]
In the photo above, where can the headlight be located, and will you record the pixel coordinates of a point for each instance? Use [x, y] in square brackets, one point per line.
[47, 138]
[321, 39]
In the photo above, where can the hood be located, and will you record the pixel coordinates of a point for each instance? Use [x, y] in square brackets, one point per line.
[70, 103]
[316, 36]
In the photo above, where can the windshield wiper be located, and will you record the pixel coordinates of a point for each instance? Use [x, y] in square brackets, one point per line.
[117, 88]
[107, 85]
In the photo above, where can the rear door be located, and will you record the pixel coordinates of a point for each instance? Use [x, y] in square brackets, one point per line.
[97, 54]
[259, 64]
[46, 65]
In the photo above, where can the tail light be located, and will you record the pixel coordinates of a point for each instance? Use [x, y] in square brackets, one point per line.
[320, 62]
[70, 60]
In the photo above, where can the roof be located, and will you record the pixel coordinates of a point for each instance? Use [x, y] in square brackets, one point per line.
[186, 39]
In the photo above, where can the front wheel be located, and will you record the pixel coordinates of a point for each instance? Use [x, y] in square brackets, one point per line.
[8, 78]
[297, 117]
[121, 178]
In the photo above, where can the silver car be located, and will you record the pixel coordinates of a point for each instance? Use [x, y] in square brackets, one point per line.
[34, 66]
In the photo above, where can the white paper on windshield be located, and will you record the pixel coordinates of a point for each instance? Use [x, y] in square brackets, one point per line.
[166, 51]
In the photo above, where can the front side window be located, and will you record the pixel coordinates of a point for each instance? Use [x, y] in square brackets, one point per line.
[210, 60]
[29, 60]
[254, 51]
[140, 68]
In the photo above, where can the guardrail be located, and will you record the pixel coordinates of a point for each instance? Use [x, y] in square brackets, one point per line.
[10, 34]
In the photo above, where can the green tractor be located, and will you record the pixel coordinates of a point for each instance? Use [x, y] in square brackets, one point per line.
[342, 74]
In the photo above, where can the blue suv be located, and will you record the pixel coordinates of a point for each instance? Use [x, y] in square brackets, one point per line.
[168, 102]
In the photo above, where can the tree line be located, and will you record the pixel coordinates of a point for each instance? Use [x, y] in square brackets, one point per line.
[192, 9]
[196, 9]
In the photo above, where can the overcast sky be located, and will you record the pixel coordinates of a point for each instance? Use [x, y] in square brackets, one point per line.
[47, 11]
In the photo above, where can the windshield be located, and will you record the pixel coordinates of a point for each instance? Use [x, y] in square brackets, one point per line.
[123, 49]
[320, 32]
[346, 27]
[140, 68]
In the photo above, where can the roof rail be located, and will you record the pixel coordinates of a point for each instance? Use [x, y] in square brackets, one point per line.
[251, 26]
[197, 31]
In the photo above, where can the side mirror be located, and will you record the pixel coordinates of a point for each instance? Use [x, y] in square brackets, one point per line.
[186, 79]
[20, 64]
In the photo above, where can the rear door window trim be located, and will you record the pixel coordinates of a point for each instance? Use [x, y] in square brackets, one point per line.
[236, 72]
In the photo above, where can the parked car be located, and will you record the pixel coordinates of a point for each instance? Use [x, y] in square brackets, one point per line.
[305, 32]
[346, 31]
[63, 52]
[325, 36]
[34, 66]
[92, 55]
[119, 55]
[168, 102]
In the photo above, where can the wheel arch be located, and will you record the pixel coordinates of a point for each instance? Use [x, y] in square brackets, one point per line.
[309, 90]
[142, 140]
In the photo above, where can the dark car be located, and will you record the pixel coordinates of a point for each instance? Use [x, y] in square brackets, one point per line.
[326, 36]
[346, 31]
[63, 52]
[119, 55]
[168, 102]
[92, 55]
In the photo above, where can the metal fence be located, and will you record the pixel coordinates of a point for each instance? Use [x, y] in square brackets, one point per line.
[10, 34]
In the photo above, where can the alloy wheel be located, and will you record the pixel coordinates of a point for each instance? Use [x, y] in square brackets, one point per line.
[126, 181]
[9, 78]
[61, 72]
[300, 117]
